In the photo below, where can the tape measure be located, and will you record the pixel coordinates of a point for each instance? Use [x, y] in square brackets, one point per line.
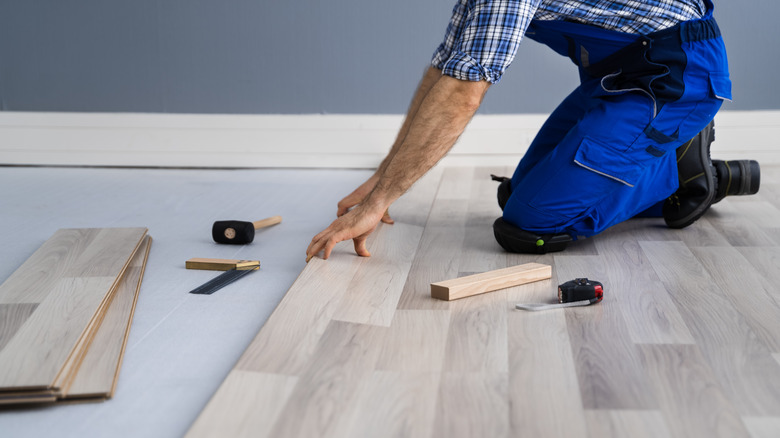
[573, 293]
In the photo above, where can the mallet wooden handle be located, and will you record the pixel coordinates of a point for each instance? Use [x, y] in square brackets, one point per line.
[267, 222]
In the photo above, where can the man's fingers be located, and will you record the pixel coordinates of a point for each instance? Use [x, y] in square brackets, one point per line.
[386, 218]
[360, 246]
[329, 244]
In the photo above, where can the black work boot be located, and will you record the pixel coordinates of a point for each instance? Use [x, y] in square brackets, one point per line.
[736, 178]
[697, 181]
[504, 189]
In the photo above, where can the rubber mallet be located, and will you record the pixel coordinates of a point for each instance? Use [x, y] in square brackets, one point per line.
[238, 232]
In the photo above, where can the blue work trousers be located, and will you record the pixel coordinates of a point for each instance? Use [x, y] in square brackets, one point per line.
[607, 153]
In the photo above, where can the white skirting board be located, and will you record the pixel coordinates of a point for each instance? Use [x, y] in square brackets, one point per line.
[337, 141]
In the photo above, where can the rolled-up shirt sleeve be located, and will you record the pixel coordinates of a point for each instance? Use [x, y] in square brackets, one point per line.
[482, 38]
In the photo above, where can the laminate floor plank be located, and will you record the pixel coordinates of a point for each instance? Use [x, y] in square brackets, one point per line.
[373, 294]
[472, 405]
[455, 183]
[607, 362]
[626, 423]
[691, 396]
[762, 427]
[345, 356]
[393, 404]
[293, 330]
[438, 255]
[97, 373]
[542, 375]
[439, 248]
[12, 316]
[758, 308]
[635, 287]
[415, 341]
[34, 279]
[54, 329]
[766, 262]
[738, 229]
[436, 260]
[247, 404]
[477, 337]
[743, 365]
[480, 251]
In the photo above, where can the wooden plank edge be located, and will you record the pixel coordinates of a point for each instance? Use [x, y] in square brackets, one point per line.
[67, 392]
[130, 321]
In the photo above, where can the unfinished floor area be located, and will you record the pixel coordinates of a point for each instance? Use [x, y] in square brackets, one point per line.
[685, 344]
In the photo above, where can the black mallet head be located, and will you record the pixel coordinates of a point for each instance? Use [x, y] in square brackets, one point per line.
[239, 232]
[235, 232]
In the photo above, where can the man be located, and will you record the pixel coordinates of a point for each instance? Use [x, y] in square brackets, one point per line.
[653, 75]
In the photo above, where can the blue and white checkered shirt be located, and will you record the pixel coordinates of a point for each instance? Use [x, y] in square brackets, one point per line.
[483, 35]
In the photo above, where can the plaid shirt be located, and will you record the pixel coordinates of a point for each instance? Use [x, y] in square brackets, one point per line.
[483, 35]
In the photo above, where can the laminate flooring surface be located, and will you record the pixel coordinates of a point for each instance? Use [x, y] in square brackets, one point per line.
[684, 344]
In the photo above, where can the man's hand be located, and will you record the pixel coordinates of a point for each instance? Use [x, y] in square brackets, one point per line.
[440, 111]
[358, 196]
[356, 224]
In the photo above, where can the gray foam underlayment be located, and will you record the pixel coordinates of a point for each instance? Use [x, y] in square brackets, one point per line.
[181, 345]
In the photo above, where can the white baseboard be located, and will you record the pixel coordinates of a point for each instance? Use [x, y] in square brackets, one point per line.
[348, 141]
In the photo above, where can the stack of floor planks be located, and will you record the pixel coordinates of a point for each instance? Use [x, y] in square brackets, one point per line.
[65, 315]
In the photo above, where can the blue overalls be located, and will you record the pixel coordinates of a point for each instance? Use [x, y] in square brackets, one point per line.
[607, 153]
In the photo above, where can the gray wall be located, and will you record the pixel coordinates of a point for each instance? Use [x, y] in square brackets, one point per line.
[290, 57]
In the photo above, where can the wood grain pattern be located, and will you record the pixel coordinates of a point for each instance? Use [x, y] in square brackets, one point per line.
[12, 316]
[654, 316]
[438, 255]
[247, 404]
[682, 345]
[608, 364]
[477, 338]
[32, 282]
[762, 427]
[331, 381]
[311, 302]
[542, 378]
[691, 398]
[393, 404]
[415, 341]
[743, 365]
[636, 424]
[757, 308]
[373, 294]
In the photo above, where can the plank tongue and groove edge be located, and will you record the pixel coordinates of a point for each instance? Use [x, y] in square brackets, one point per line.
[470, 285]
[69, 278]
[97, 372]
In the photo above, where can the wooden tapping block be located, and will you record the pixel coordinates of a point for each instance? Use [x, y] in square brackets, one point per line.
[463, 287]
[221, 264]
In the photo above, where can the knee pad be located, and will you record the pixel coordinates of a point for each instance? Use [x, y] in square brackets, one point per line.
[504, 189]
[513, 239]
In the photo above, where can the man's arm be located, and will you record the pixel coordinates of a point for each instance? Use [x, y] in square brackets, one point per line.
[430, 77]
[443, 114]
